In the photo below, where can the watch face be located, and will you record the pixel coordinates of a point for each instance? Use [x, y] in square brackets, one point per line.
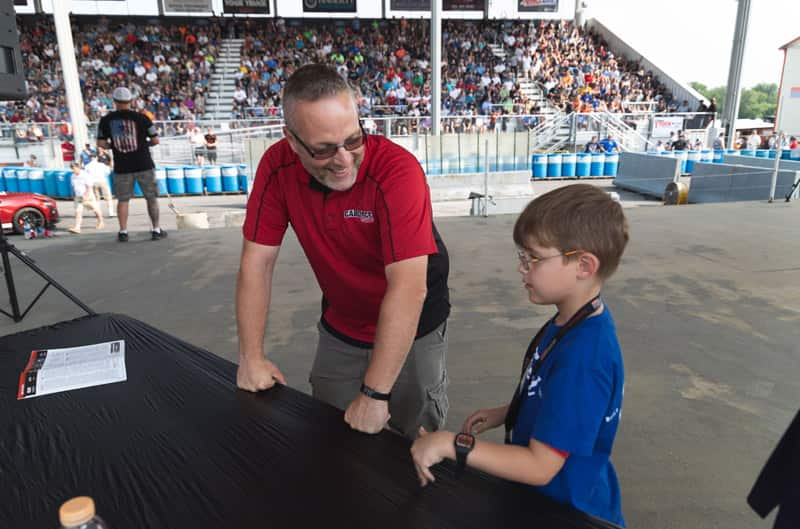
[465, 440]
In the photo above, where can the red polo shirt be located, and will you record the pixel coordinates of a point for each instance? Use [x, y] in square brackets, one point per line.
[350, 236]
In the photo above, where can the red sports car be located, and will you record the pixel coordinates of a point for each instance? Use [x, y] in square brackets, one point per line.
[16, 208]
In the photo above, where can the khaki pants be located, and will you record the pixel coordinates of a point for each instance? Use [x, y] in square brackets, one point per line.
[419, 396]
[103, 191]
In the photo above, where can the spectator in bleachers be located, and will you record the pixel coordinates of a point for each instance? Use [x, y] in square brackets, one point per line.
[609, 144]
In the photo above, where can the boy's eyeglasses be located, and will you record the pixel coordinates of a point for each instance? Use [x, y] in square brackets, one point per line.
[331, 150]
[528, 261]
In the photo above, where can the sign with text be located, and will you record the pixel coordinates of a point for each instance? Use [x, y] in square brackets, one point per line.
[662, 126]
[187, 6]
[251, 7]
[447, 5]
[329, 6]
[546, 6]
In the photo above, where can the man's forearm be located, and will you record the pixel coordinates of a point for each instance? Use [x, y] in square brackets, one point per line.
[396, 330]
[253, 291]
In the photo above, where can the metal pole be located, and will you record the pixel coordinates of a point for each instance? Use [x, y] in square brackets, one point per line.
[485, 208]
[735, 73]
[69, 67]
[436, 66]
[775, 168]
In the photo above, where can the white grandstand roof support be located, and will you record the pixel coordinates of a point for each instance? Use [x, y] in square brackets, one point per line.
[733, 93]
[69, 69]
[436, 66]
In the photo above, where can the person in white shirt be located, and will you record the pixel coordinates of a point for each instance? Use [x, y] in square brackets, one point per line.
[82, 190]
[98, 174]
[754, 140]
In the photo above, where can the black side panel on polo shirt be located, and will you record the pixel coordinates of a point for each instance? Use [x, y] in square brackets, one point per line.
[436, 308]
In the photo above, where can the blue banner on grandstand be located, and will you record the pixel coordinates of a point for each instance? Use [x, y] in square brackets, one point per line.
[447, 5]
[329, 6]
[538, 5]
[250, 7]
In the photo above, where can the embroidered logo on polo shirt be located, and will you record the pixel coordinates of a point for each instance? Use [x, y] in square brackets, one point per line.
[360, 214]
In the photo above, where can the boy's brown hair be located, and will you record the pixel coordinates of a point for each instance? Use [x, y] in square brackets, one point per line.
[576, 217]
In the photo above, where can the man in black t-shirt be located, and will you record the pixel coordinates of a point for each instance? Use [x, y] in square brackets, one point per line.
[130, 135]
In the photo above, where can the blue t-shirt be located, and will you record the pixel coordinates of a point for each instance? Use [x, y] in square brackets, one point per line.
[609, 145]
[574, 404]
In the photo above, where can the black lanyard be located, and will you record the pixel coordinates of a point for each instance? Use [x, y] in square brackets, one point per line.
[516, 401]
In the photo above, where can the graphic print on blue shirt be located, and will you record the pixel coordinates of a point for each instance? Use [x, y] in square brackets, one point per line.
[123, 135]
[574, 404]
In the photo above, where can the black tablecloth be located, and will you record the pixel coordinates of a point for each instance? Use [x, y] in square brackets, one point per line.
[178, 446]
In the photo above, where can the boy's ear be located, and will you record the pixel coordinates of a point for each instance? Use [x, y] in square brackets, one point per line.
[588, 265]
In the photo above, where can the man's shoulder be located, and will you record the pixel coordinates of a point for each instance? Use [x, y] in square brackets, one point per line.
[388, 160]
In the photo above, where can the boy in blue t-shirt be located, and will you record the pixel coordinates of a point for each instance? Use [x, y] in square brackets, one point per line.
[562, 421]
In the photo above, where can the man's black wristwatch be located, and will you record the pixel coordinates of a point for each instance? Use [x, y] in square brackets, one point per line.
[371, 393]
[464, 443]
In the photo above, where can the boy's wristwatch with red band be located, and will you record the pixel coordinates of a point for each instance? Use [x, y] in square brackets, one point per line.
[464, 443]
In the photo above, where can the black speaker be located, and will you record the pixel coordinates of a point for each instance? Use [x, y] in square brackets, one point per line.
[12, 79]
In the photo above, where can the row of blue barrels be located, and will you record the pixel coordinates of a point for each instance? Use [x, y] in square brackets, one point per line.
[582, 164]
[689, 158]
[473, 164]
[173, 180]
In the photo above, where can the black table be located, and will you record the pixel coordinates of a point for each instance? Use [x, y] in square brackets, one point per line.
[178, 446]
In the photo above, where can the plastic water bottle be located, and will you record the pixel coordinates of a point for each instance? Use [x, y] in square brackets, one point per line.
[26, 228]
[39, 232]
[79, 513]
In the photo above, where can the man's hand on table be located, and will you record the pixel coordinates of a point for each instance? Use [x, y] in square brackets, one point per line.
[367, 415]
[257, 374]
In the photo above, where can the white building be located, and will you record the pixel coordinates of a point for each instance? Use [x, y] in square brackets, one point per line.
[788, 113]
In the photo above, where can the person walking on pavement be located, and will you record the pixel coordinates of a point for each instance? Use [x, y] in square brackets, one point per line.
[130, 134]
[98, 172]
[82, 191]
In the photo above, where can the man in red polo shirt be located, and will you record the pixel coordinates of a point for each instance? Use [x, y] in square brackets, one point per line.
[360, 207]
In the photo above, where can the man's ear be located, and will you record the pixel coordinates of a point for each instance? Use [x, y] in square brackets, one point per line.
[588, 265]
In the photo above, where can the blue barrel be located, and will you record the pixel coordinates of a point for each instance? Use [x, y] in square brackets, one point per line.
[161, 180]
[794, 154]
[733, 152]
[707, 156]
[230, 177]
[719, 156]
[598, 163]
[762, 153]
[748, 152]
[682, 156]
[243, 177]
[175, 183]
[539, 162]
[692, 157]
[212, 176]
[10, 178]
[568, 161]
[51, 183]
[668, 154]
[22, 180]
[611, 164]
[554, 164]
[583, 165]
[64, 184]
[786, 154]
[193, 176]
[772, 154]
[2, 182]
[36, 178]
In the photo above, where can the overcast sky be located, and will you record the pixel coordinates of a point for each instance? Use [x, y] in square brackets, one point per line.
[691, 39]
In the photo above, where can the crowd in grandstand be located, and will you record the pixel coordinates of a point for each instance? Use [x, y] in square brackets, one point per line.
[169, 66]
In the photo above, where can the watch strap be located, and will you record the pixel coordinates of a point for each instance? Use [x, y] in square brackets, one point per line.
[373, 394]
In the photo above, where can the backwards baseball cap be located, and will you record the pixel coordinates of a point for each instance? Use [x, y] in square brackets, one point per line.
[122, 94]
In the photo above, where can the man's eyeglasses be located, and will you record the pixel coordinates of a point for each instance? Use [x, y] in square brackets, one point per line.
[528, 261]
[331, 150]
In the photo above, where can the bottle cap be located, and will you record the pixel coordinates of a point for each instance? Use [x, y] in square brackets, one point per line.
[76, 511]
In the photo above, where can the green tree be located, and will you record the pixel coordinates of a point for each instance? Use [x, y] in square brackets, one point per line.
[756, 102]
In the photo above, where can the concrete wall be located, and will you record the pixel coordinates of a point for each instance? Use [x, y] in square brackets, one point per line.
[735, 183]
[646, 174]
[767, 163]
